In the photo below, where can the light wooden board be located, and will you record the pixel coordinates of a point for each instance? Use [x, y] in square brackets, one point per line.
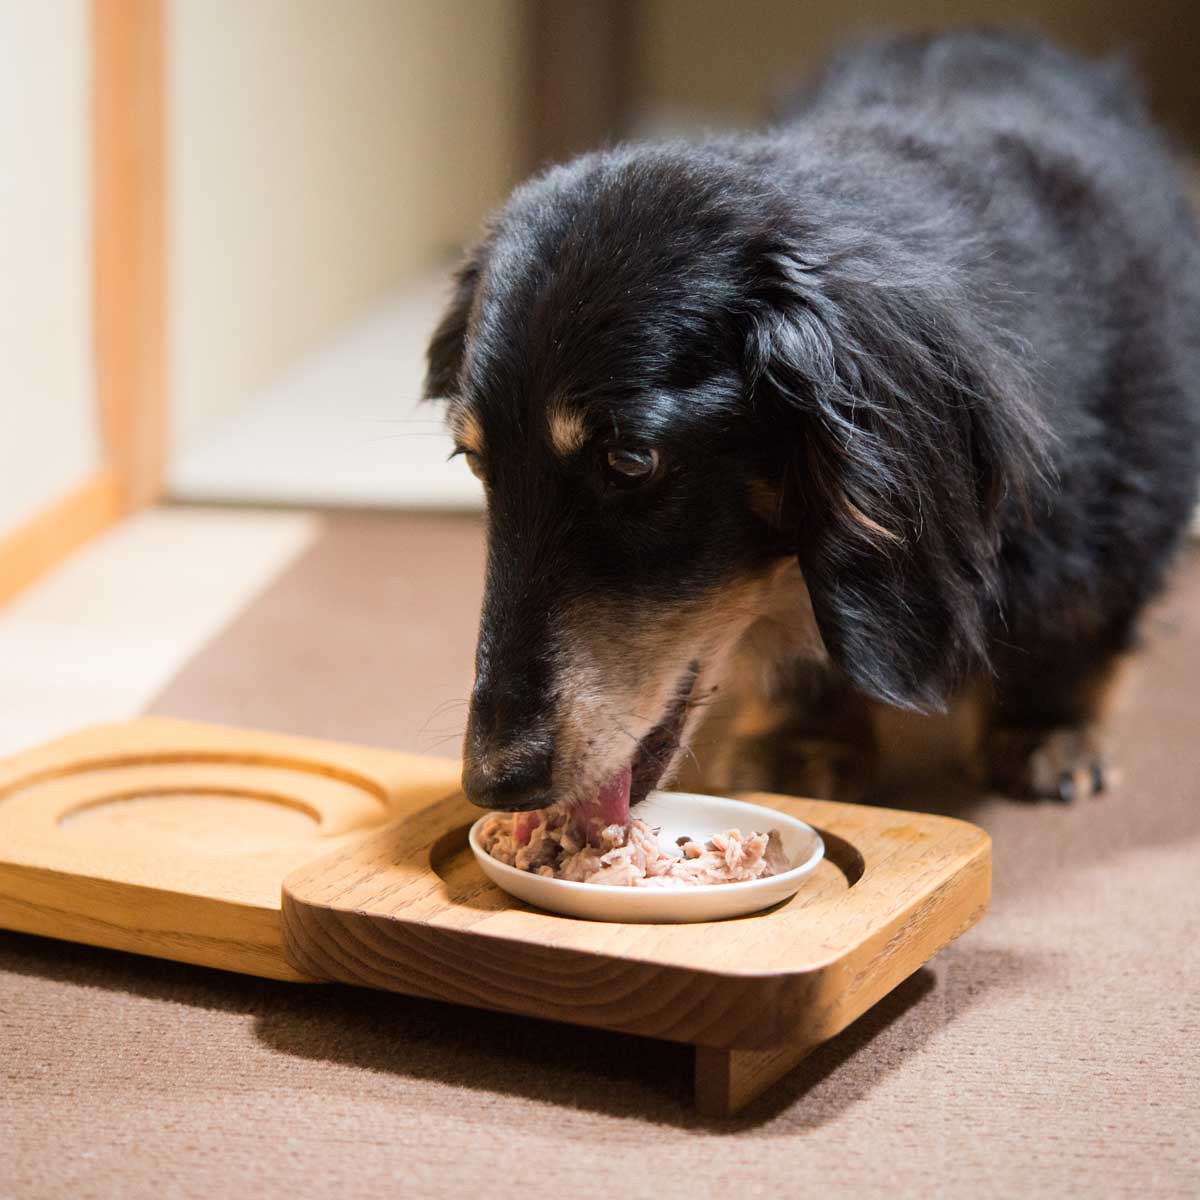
[407, 909]
[171, 839]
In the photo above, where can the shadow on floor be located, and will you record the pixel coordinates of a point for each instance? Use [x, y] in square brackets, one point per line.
[492, 1053]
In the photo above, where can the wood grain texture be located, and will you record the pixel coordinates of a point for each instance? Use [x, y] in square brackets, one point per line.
[171, 839]
[408, 910]
[53, 533]
[128, 273]
[726, 1080]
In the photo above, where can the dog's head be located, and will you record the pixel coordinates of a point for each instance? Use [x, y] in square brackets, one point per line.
[673, 382]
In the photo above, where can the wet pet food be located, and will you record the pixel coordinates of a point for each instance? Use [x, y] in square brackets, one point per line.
[550, 842]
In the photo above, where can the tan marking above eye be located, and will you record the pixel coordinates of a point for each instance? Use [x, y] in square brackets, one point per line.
[466, 431]
[567, 431]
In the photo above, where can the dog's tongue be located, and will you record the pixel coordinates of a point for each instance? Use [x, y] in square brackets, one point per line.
[609, 806]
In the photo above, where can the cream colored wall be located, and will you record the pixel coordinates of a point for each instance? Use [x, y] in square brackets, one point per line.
[317, 152]
[48, 437]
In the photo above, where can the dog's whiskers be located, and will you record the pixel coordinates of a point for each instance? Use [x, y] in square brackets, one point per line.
[443, 739]
[437, 712]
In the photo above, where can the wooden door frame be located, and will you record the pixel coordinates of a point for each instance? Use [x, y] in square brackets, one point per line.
[580, 59]
[128, 267]
[127, 289]
[579, 74]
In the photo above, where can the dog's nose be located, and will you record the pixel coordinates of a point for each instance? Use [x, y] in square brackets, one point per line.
[514, 779]
[508, 753]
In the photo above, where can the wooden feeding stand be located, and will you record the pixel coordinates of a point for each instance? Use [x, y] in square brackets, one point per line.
[311, 861]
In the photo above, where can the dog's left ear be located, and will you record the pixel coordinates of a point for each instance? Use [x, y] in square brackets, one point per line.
[444, 357]
[910, 438]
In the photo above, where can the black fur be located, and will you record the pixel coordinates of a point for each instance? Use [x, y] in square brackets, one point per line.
[949, 307]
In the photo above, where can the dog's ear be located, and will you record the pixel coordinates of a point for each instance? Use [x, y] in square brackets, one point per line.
[910, 439]
[444, 357]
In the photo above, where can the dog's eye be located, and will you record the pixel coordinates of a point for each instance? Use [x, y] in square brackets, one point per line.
[473, 461]
[628, 466]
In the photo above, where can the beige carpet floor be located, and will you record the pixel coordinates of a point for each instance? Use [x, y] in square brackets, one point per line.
[1054, 1050]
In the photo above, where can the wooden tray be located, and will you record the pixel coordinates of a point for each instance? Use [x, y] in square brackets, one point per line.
[304, 860]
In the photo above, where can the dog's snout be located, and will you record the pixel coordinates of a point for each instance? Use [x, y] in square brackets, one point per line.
[507, 761]
[507, 779]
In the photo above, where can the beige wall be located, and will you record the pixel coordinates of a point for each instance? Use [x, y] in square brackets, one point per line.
[317, 152]
[48, 438]
[725, 56]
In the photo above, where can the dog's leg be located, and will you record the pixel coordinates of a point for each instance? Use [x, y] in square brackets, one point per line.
[1047, 740]
[808, 736]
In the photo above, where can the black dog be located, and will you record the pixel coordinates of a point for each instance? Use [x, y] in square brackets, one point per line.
[934, 340]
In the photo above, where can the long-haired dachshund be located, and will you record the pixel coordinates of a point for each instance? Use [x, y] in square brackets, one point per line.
[891, 407]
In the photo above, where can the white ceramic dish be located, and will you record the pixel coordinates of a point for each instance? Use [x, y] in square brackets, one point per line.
[677, 814]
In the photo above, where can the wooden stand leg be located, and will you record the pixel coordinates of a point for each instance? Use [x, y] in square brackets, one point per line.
[728, 1080]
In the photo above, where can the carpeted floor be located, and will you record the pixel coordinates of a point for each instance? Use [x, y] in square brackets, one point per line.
[1053, 1050]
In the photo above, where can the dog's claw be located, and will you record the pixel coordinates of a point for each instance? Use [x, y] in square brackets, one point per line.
[1088, 780]
[1065, 765]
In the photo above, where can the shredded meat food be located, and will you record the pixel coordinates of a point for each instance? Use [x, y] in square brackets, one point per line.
[549, 842]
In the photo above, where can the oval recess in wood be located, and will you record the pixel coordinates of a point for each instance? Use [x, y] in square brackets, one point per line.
[173, 839]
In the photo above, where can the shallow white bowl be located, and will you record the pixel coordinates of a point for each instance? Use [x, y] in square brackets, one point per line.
[678, 814]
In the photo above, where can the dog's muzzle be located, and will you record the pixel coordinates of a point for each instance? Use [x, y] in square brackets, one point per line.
[513, 770]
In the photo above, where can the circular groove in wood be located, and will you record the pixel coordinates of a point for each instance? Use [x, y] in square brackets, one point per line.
[467, 888]
[198, 818]
[174, 758]
[844, 855]
[281, 803]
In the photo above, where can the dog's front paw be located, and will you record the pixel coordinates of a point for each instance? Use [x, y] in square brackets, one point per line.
[1065, 764]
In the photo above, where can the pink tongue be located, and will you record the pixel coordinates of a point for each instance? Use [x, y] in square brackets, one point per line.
[524, 825]
[610, 805]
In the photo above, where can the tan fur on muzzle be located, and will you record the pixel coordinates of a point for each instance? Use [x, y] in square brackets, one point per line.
[619, 670]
